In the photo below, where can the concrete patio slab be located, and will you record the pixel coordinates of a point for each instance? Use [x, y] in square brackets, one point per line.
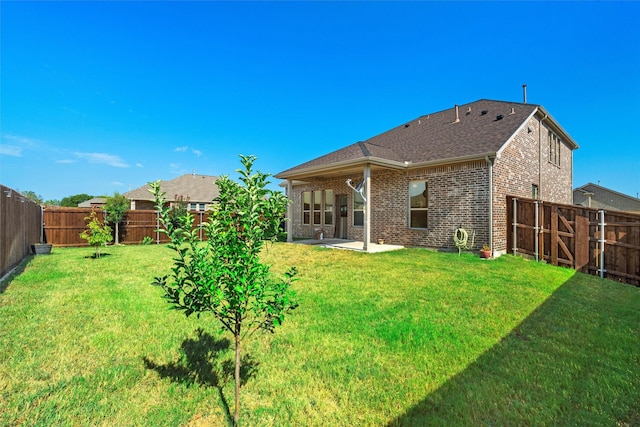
[352, 245]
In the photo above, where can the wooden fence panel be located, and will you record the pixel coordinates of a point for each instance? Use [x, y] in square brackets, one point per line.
[64, 225]
[20, 227]
[571, 236]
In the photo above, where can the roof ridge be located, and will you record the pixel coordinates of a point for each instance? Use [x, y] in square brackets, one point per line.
[364, 148]
[607, 189]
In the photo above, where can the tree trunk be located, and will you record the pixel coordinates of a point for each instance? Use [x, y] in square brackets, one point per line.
[117, 234]
[236, 415]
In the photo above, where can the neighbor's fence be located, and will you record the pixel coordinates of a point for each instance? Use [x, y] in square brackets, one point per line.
[62, 226]
[604, 243]
[20, 227]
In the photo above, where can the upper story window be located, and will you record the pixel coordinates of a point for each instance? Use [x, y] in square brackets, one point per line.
[197, 207]
[418, 204]
[554, 149]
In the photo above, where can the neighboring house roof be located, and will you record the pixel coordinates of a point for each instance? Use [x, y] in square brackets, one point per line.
[596, 196]
[196, 188]
[93, 202]
[483, 128]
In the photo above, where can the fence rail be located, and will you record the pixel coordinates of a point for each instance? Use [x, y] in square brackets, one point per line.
[62, 226]
[20, 227]
[604, 243]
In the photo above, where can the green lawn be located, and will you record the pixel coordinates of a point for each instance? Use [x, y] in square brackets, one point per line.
[410, 337]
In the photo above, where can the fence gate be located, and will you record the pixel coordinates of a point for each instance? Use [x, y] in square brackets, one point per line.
[585, 239]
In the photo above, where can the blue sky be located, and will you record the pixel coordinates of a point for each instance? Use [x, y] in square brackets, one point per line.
[98, 97]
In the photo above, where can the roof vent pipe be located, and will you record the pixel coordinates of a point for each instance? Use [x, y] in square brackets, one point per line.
[524, 93]
[457, 114]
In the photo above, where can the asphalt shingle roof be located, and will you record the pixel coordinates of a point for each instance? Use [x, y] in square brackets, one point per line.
[197, 188]
[605, 198]
[437, 136]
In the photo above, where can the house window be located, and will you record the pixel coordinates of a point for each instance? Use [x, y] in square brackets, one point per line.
[201, 207]
[306, 207]
[317, 207]
[358, 209]
[534, 191]
[328, 207]
[554, 149]
[192, 206]
[418, 204]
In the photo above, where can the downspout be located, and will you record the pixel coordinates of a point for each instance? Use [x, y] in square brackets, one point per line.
[289, 220]
[490, 165]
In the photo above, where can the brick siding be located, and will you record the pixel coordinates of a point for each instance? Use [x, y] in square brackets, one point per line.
[458, 195]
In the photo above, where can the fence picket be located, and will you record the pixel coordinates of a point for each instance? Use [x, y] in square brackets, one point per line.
[577, 237]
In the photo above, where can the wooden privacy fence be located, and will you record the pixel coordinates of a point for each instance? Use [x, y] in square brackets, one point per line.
[20, 227]
[604, 243]
[62, 226]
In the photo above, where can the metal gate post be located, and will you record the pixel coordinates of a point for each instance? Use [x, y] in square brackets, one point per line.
[602, 241]
[536, 232]
[515, 226]
[157, 227]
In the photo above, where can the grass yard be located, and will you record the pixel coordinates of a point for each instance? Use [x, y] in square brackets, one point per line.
[411, 337]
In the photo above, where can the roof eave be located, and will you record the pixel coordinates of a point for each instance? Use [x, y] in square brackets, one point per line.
[337, 166]
[453, 160]
[299, 175]
[559, 130]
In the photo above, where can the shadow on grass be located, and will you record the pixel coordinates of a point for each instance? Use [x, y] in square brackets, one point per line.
[573, 361]
[14, 272]
[94, 256]
[203, 362]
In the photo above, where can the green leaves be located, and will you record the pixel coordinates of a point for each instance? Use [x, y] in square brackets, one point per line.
[224, 275]
[97, 233]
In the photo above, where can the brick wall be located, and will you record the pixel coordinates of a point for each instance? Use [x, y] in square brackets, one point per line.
[516, 170]
[458, 196]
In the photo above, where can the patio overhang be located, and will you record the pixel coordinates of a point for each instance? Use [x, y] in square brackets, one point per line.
[356, 166]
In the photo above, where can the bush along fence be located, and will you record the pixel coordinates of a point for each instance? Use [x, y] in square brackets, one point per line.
[62, 226]
[598, 242]
[20, 227]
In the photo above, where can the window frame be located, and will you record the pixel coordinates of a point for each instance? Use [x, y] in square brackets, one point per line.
[328, 197]
[306, 213]
[555, 144]
[315, 208]
[355, 211]
[424, 209]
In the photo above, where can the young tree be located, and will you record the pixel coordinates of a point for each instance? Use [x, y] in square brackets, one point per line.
[116, 208]
[97, 234]
[178, 210]
[224, 275]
